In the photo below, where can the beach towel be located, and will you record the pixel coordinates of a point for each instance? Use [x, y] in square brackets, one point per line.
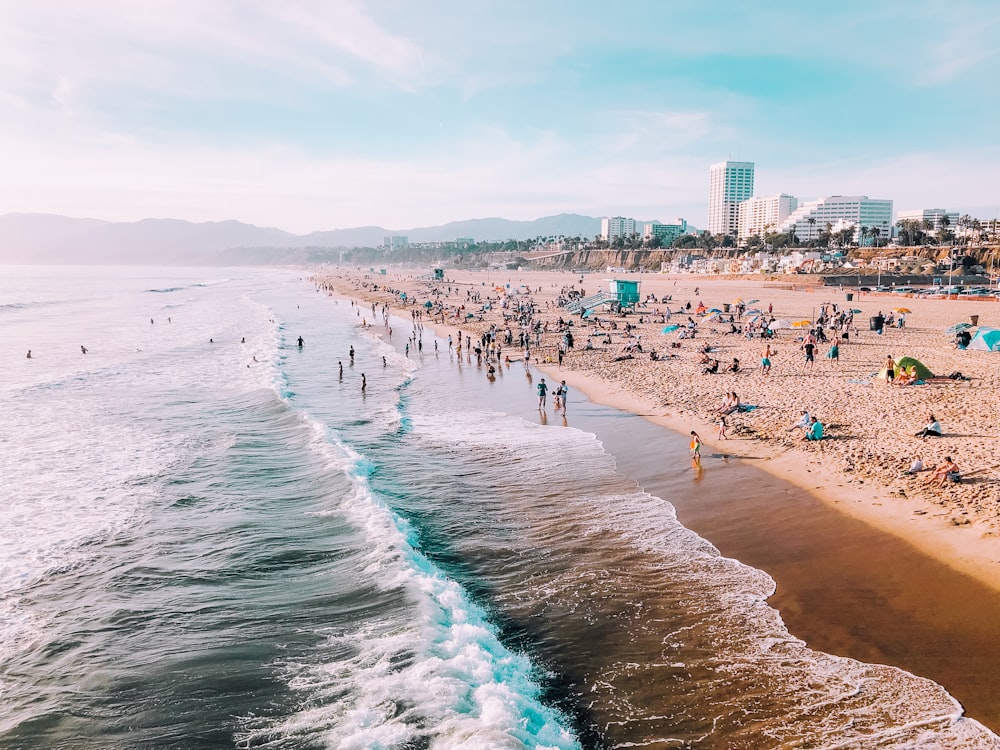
[746, 407]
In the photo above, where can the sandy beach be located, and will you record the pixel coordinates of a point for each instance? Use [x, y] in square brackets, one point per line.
[859, 467]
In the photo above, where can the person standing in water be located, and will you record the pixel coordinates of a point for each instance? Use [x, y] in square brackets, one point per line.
[351, 353]
[301, 342]
[695, 449]
[29, 353]
[543, 389]
[341, 366]
[364, 383]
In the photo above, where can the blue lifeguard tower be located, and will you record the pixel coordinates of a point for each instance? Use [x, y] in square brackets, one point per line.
[625, 293]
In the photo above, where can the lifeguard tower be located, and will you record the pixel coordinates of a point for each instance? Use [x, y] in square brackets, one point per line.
[438, 274]
[625, 293]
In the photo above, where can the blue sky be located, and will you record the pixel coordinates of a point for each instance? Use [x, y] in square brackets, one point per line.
[311, 115]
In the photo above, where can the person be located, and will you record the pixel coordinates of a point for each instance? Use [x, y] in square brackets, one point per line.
[351, 353]
[341, 366]
[364, 383]
[695, 448]
[242, 341]
[815, 430]
[906, 376]
[542, 390]
[29, 353]
[712, 368]
[810, 349]
[834, 353]
[946, 472]
[890, 368]
[931, 429]
[301, 342]
[565, 394]
[722, 428]
[83, 349]
[765, 360]
[803, 422]
[384, 363]
[558, 397]
[735, 366]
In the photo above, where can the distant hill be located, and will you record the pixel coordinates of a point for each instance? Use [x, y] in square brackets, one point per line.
[49, 238]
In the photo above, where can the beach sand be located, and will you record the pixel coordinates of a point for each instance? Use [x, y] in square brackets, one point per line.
[822, 565]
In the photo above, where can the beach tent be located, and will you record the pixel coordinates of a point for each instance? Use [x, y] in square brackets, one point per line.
[904, 363]
[986, 340]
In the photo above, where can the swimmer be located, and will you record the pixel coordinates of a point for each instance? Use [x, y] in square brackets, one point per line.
[341, 366]
[29, 353]
[384, 364]
[364, 383]
[83, 348]
[301, 342]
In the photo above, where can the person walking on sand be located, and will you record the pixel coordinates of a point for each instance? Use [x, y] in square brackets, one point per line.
[722, 428]
[890, 369]
[83, 349]
[765, 360]
[809, 347]
[543, 389]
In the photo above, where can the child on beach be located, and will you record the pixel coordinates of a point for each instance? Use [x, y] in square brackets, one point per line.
[722, 428]
[695, 449]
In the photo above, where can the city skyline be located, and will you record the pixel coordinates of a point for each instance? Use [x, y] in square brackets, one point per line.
[307, 117]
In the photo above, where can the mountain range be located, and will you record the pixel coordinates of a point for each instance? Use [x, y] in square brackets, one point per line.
[49, 238]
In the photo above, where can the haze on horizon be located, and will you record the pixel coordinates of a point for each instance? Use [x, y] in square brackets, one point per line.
[307, 115]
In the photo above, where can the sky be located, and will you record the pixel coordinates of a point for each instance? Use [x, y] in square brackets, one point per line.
[310, 115]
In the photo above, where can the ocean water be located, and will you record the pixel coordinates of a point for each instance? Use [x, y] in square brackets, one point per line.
[211, 538]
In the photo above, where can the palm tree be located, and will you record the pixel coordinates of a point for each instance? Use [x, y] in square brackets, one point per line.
[812, 226]
[875, 233]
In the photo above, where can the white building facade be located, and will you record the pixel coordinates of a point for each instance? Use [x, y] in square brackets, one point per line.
[613, 227]
[933, 215]
[840, 212]
[729, 184]
[761, 215]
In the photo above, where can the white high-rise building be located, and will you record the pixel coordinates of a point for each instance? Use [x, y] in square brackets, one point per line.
[933, 215]
[729, 184]
[613, 227]
[760, 215]
[840, 212]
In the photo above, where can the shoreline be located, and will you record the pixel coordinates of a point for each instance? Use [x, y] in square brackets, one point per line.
[958, 525]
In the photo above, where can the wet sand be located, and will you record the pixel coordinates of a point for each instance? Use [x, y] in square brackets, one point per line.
[843, 586]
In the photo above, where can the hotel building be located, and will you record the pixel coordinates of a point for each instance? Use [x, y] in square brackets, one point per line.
[666, 232]
[933, 215]
[613, 227]
[841, 212]
[760, 215]
[729, 184]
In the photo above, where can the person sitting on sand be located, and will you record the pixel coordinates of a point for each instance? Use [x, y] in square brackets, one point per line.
[814, 431]
[946, 472]
[802, 424]
[931, 429]
[735, 366]
[712, 368]
[906, 377]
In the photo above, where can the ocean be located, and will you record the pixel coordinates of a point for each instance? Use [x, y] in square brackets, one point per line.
[211, 538]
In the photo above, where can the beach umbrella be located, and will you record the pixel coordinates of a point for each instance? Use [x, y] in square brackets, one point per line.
[752, 301]
[855, 310]
[670, 328]
[714, 310]
[754, 311]
[801, 323]
[780, 323]
[737, 301]
[428, 303]
[957, 327]
[902, 309]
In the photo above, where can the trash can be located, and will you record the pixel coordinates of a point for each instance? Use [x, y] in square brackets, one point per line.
[876, 323]
[725, 307]
[850, 296]
[974, 319]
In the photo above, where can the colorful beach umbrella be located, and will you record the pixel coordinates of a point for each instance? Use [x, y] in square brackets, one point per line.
[902, 309]
[801, 323]
[958, 327]
[752, 301]
[714, 310]
[670, 328]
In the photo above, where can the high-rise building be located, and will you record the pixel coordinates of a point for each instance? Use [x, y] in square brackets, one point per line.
[840, 212]
[932, 215]
[667, 233]
[613, 227]
[760, 215]
[729, 184]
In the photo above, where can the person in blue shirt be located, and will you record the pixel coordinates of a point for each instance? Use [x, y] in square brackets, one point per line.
[814, 431]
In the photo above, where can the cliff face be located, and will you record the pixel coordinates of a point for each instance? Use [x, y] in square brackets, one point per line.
[646, 260]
